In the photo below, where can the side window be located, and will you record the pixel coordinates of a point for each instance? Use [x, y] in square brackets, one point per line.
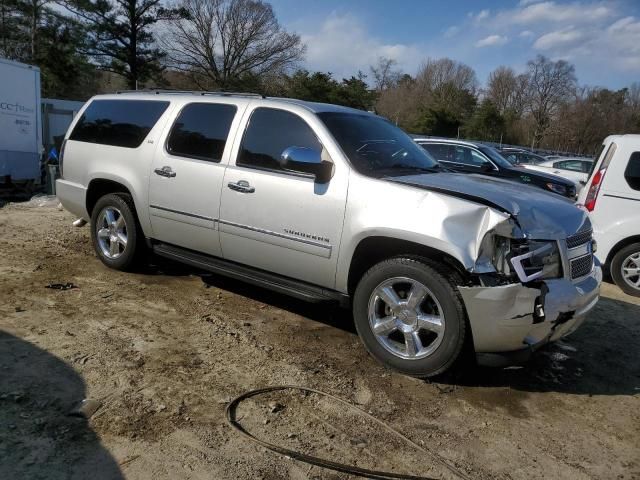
[574, 165]
[438, 151]
[469, 157]
[201, 131]
[269, 133]
[586, 167]
[120, 123]
[632, 172]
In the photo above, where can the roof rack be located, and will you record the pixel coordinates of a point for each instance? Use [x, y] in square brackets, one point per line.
[222, 93]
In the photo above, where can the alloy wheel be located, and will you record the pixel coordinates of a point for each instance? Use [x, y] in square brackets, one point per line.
[406, 318]
[631, 270]
[111, 230]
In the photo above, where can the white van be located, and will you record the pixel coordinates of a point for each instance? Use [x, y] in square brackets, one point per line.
[612, 198]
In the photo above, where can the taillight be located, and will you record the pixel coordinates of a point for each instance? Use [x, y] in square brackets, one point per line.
[61, 156]
[594, 188]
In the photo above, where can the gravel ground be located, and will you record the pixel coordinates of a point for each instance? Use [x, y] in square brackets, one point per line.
[164, 350]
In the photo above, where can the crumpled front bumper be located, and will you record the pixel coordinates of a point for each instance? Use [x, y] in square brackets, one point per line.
[503, 318]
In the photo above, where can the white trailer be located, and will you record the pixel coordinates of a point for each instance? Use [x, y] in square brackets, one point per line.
[20, 122]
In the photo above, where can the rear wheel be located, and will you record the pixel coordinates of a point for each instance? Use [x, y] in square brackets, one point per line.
[115, 231]
[410, 317]
[625, 269]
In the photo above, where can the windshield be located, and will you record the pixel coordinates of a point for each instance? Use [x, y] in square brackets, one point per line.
[493, 154]
[375, 147]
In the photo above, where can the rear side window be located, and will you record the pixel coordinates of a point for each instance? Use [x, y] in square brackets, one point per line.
[269, 133]
[121, 123]
[632, 172]
[201, 131]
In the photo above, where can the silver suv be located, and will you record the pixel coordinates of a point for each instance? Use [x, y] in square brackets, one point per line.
[329, 203]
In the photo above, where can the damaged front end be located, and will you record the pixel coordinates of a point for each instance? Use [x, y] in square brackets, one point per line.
[527, 292]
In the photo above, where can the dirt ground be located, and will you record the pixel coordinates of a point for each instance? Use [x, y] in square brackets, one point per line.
[165, 349]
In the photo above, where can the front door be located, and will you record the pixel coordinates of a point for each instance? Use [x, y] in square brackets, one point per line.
[186, 177]
[279, 220]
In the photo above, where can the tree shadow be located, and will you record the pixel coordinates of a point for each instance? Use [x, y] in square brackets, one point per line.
[38, 437]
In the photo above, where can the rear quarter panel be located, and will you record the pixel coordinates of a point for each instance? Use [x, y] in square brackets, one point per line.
[84, 162]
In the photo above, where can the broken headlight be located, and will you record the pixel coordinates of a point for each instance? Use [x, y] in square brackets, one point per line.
[527, 259]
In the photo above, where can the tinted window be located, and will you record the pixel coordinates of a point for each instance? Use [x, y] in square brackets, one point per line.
[269, 133]
[121, 123]
[632, 172]
[374, 146]
[201, 131]
[439, 151]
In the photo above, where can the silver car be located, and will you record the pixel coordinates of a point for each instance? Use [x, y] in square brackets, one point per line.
[328, 203]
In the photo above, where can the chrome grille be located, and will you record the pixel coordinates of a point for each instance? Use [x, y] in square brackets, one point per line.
[579, 238]
[581, 266]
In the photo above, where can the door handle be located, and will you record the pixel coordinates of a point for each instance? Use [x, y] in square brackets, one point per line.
[165, 172]
[241, 186]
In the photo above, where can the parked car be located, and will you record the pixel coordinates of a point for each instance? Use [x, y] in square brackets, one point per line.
[612, 197]
[519, 156]
[575, 169]
[330, 203]
[472, 157]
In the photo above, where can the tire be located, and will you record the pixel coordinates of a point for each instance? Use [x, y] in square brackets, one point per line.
[395, 345]
[624, 262]
[125, 232]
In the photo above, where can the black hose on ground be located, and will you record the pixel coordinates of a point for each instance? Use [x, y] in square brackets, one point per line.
[230, 413]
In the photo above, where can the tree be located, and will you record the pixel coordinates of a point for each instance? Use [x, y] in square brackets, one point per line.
[316, 87]
[120, 36]
[353, 92]
[486, 123]
[385, 74]
[508, 91]
[551, 85]
[221, 41]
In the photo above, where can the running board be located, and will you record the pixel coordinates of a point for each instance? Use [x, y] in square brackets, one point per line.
[288, 286]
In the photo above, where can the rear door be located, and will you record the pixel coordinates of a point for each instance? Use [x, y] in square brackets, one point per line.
[187, 173]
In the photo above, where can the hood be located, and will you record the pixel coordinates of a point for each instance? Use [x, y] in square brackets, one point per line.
[539, 214]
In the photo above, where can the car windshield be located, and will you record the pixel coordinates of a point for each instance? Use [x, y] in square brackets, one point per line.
[375, 147]
[495, 157]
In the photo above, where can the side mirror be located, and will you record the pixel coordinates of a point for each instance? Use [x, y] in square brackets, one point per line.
[306, 160]
[486, 167]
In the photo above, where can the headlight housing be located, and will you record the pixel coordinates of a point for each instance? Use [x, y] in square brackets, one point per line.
[527, 259]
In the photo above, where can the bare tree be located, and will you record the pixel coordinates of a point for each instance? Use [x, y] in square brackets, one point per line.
[551, 85]
[385, 74]
[436, 73]
[507, 90]
[222, 41]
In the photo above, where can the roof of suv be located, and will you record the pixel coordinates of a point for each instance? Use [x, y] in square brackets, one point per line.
[169, 95]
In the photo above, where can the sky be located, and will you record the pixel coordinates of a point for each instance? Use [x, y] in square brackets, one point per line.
[601, 38]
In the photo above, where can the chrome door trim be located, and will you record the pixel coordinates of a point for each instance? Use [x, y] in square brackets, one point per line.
[187, 214]
[277, 234]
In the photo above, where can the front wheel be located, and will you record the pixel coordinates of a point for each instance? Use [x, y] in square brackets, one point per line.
[625, 269]
[410, 317]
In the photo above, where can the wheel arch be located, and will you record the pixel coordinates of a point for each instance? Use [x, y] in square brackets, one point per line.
[99, 187]
[620, 245]
[374, 249]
